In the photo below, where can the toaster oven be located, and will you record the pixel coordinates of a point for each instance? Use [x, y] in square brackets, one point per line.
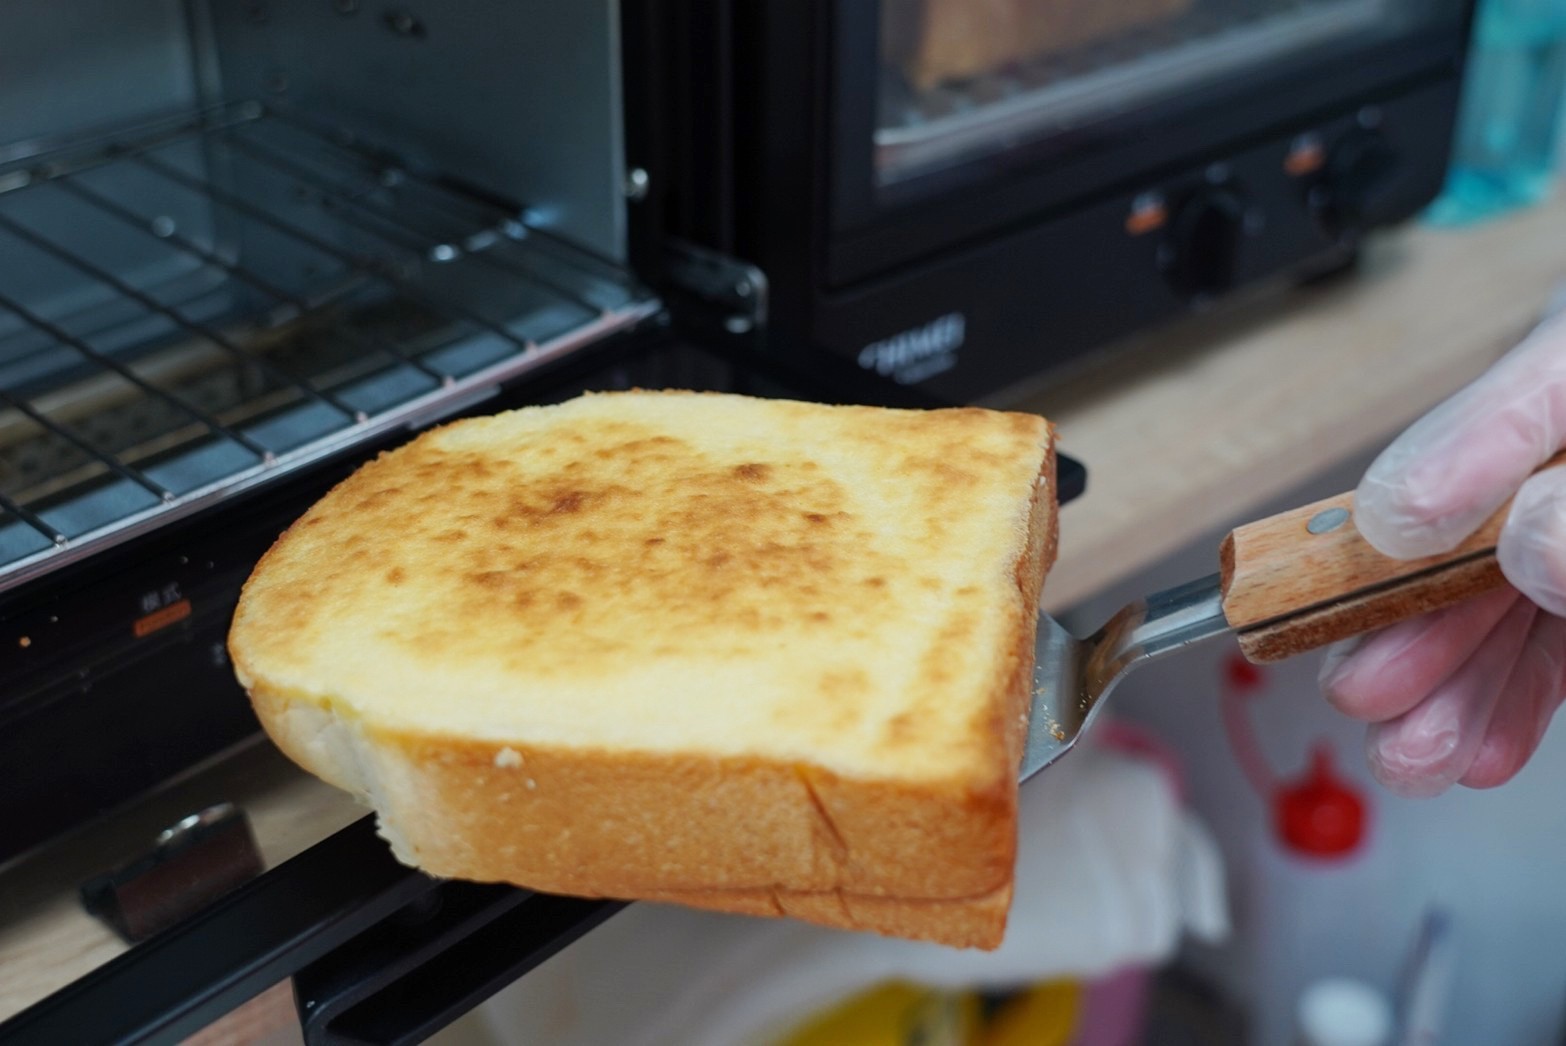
[243, 245]
[246, 244]
[966, 195]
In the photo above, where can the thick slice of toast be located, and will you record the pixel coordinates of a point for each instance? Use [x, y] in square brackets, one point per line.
[746, 654]
[963, 922]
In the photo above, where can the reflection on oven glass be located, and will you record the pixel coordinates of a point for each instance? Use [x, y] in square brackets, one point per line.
[962, 78]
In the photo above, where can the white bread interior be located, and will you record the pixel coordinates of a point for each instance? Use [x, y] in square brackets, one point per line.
[744, 654]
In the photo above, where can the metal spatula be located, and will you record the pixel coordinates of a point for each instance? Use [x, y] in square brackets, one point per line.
[1289, 583]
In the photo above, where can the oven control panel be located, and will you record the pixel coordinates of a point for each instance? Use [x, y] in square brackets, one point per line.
[1201, 250]
[1341, 179]
[1292, 206]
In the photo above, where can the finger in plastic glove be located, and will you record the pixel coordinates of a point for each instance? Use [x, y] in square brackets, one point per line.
[1383, 675]
[1427, 749]
[1450, 470]
[1532, 547]
[1527, 703]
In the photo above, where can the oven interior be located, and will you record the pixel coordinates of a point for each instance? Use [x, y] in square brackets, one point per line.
[238, 236]
[961, 80]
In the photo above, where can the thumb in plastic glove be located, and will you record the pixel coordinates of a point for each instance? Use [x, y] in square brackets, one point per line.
[1464, 695]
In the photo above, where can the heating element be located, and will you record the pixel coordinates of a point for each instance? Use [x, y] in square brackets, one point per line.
[207, 302]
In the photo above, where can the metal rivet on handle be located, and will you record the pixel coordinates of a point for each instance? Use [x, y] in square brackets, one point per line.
[1328, 519]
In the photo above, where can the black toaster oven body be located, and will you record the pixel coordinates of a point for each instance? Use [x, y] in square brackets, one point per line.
[971, 271]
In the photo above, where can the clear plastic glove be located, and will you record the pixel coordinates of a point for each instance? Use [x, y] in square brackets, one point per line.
[1464, 695]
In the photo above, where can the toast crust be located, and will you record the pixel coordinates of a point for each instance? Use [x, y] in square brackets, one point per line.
[971, 922]
[924, 852]
[587, 822]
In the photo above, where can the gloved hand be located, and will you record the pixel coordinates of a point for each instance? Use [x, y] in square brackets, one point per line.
[1464, 695]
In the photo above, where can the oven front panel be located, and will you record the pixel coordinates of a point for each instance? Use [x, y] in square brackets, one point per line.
[1032, 103]
[971, 323]
[971, 231]
[962, 83]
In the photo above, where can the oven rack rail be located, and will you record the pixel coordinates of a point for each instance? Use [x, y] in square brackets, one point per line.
[305, 369]
[920, 129]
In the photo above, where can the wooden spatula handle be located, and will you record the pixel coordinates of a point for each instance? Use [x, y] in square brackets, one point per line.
[1305, 578]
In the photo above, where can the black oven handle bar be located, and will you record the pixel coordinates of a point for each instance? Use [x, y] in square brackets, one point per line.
[415, 973]
[379, 953]
[180, 981]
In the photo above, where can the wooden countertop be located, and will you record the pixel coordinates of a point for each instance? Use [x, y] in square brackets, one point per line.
[1181, 430]
[1187, 429]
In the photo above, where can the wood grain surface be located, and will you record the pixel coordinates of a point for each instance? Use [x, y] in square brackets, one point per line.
[1288, 590]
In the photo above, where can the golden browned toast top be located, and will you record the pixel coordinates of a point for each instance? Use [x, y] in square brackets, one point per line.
[665, 571]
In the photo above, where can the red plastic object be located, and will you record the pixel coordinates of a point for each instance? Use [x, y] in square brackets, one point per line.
[1242, 675]
[1243, 682]
[1320, 815]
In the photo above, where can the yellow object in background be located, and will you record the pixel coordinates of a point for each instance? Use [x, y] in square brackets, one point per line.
[1043, 1016]
[894, 1015]
[900, 1014]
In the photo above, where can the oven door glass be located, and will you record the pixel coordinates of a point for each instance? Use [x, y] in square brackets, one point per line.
[967, 79]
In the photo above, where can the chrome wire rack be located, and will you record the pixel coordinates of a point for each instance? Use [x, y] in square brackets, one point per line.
[209, 302]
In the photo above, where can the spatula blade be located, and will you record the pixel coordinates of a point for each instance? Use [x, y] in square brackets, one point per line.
[1071, 676]
[1057, 714]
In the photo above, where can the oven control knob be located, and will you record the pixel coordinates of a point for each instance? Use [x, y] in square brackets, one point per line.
[1201, 254]
[1359, 170]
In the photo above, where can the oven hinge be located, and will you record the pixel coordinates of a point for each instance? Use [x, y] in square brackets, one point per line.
[736, 288]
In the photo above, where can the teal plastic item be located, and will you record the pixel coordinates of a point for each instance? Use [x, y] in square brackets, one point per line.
[1508, 134]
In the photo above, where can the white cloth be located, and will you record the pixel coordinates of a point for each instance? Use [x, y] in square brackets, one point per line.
[1110, 870]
